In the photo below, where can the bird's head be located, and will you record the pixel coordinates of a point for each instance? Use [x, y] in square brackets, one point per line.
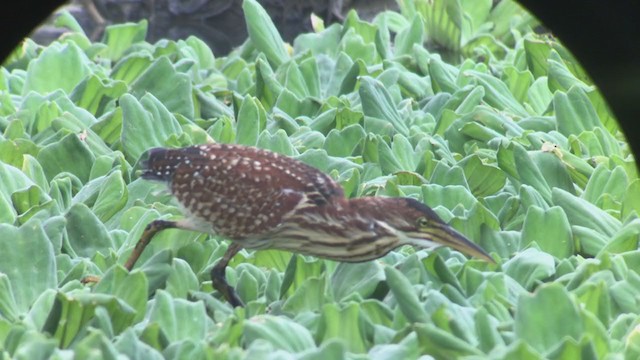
[418, 225]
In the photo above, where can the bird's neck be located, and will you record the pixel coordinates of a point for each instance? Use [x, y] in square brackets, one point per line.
[369, 206]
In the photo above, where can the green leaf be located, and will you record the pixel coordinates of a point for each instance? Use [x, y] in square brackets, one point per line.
[582, 213]
[28, 261]
[545, 318]
[223, 131]
[29, 202]
[483, 179]
[71, 315]
[324, 42]
[12, 180]
[145, 124]
[363, 28]
[95, 93]
[355, 46]
[362, 278]
[624, 240]
[489, 336]
[294, 106]
[294, 81]
[606, 182]
[179, 319]
[519, 82]
[251, 121]
[199, 50]
[442, 344]
[520, 350]
[263, 33]
[310, 74]
[539, 96]
[309, 295]
[529, 173]
[249, 280]
[12, 152]
[443, 20]
[278, 142]
[8, 308]
[596, 299]
[332, 349]
[343, 142]
[471, 101]
[86, 233]
[550, 229]
[632, 345]
[171, 88]
[631, 202]
[574, 112]
[282, 333]
[448, 196]
[560, 78]
[530, 267]
[591, 242]
[343, 323]
[377, 103]
[553, 169]
[58, 67]
[537, 52]
[132, 288]
[67, 155]
[298, 270]
[112, 197]
[443, 75]
[388, 161]
[130, 67]
[130, 345]
[120, 37]
[413, 34]
[320, 160]
[497, 93]
[405, 296]
[66, 20]
[96, 343]
[182, 279]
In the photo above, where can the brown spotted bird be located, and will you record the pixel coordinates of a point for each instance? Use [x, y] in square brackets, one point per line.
[259, 199]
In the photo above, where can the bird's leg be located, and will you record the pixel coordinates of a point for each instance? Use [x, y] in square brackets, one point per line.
[218, 273]
[218, 276]
[151, 229]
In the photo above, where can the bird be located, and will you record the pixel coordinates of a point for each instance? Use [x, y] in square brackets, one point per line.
[259, 199]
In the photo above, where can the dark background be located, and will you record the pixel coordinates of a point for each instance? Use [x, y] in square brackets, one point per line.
[603, 35]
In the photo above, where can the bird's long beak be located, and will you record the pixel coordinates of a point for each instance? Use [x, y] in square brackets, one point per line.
[442, 234]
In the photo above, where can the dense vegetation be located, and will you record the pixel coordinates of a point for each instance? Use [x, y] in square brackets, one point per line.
[457, 103]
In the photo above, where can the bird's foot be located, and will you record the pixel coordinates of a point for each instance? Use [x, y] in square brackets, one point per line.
[227, 291]
[218, 276]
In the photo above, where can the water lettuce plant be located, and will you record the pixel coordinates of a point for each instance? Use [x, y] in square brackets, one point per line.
[457, 103]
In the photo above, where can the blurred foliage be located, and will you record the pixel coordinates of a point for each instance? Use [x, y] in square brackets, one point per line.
[503, 135]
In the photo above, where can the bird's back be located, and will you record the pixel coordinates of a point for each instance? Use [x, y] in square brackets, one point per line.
[241, 191]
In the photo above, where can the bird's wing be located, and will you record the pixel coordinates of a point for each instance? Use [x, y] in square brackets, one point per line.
[270, 169]
[240, 190]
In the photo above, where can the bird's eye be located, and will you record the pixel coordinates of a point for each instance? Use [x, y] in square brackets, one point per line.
[422, 222]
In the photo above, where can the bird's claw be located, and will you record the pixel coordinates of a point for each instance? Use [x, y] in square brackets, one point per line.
[229, 293]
